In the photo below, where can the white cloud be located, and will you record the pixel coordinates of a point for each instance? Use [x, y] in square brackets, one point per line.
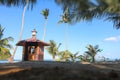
[117, 38]
[111, 39]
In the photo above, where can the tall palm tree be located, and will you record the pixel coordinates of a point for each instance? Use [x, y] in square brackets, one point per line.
[21, 32]
[79, 9]
[66, 19]
[4, 45]
[53, 49]
[26, 5]
[45, 13]
[92, 51]
[89, 9]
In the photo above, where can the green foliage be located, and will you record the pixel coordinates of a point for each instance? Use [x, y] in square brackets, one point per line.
[78, 9]
[53, 49]
[88, 10]
[65, 17]
[18, 3]
[4, 54]
[85, 58]
[74, 57]
[92, 51]
[45, 13]
[4, 45]
[64, 55]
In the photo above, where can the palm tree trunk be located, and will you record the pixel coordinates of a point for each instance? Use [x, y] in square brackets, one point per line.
[53, 57]
[93, 59]
[67, 37]
[21, 32]
[44, 33]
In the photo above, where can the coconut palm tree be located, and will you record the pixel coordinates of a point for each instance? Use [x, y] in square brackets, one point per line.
[85, 57]
[88, 10]
[66, 19]
[4, 45]
[92, 51]
[21, 32]
[78, 9]
[26, 5]
[75, 56]
[53, 49]
[45, 13]
[64, 55]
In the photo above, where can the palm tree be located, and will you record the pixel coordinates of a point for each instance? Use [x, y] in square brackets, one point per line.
[75, 56]
[79, 9]
[85, 57]
[88, 10]
[64, 55]
[45, 13]
[4, 45]
[92, 51]
[53, 49]
[26, 4]
[66, 19]
[21, 33]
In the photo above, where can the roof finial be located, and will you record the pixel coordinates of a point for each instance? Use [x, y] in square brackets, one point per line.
[34, 32]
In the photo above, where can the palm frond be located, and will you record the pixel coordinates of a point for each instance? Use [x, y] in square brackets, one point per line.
[92, 51]
[52, 49]
[4, 44]
[45, 13]
[76, 53]
[18, 3]
[87, 10]
[59, 22]
[1, 31]
[89, 53]
[115, 20]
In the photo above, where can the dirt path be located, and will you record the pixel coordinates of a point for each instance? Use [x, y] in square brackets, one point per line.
[10, 70]
[59, 71]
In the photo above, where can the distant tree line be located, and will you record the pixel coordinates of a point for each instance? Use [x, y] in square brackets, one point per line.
[66, 55]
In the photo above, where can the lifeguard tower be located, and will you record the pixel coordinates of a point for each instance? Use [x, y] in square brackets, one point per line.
[33, 49]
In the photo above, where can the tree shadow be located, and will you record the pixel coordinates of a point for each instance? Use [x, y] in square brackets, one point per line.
[48, 70]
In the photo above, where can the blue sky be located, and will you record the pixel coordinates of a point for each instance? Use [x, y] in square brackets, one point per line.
[98, 31]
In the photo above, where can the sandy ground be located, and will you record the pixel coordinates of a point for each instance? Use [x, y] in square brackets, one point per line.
[34, 70]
